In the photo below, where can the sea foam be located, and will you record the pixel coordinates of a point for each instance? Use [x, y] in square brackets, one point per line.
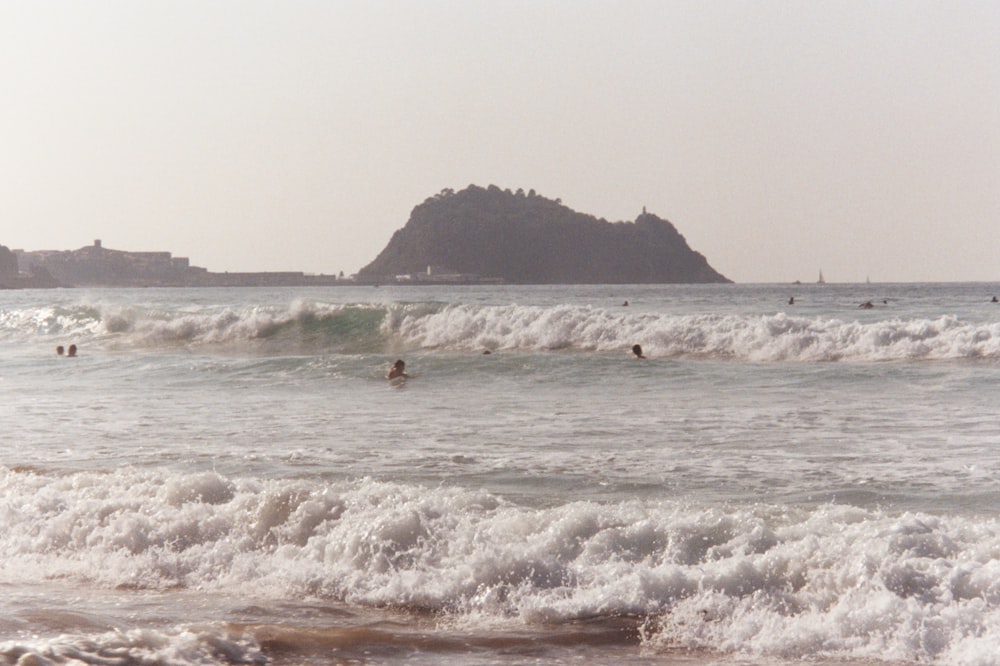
[775, 337]
[311, 327]
[187, 645]
[829, 582]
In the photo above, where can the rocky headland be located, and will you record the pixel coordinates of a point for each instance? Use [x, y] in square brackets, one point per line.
[488, 234]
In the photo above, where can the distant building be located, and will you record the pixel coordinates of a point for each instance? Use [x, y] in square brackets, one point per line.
[98, 266]
[8, 267]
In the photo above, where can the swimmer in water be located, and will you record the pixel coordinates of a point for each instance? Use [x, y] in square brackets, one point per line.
[637, 350]
[398, 370]
[71, 351]
[60, 351]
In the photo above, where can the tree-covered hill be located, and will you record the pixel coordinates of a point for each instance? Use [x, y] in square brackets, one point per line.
[529, 239]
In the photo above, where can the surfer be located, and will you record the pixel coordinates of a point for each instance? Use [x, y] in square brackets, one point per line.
[397, 371]
[791, 301]
[60, 350]
[637, 350]
[867, 305]
[71, 351]
[995, 300]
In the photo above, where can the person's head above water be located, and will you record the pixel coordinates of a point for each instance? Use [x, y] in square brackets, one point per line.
[59, 350]
[71, 351]
[398, 369]
[637, 350]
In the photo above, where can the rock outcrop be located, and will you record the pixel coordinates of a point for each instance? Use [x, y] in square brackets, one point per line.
[489, 233]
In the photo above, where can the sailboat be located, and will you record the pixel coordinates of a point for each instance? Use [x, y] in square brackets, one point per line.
[821, 280]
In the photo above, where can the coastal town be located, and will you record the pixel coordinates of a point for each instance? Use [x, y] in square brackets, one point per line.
[98, 266]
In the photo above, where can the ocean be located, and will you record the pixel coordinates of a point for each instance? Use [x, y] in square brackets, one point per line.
[224, 476]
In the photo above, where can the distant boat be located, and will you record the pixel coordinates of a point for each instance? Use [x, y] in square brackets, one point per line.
[821, 280]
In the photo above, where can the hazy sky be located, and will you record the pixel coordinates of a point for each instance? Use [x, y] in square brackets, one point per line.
[780, 137]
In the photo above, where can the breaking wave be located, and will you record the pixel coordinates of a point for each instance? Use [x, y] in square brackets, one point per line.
[828, 582]
[776, 337]
[306, 327]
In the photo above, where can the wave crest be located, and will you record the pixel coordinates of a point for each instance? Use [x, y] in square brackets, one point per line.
[776, 337]
[309, 327]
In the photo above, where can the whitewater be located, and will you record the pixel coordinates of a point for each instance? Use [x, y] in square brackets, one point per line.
[224, 476]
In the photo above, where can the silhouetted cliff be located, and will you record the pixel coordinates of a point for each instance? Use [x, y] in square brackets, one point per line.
[526, 238]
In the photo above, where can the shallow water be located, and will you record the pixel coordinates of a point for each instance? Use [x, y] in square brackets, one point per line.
[224, 476]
